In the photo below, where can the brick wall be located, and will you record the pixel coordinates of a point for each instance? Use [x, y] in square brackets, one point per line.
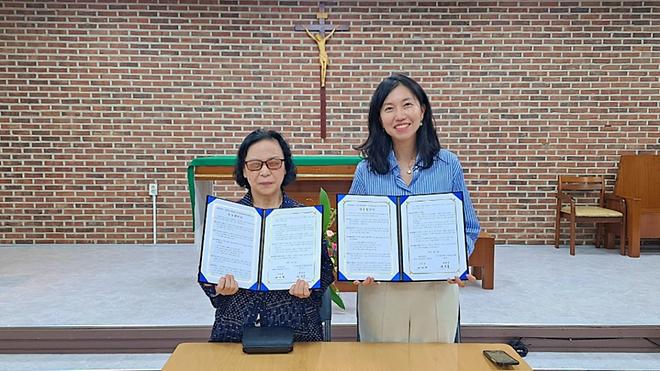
[99, 99]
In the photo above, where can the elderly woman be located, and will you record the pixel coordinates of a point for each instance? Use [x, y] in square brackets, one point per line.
[264, 166]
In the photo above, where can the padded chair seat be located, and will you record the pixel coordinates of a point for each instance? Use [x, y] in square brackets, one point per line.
[592, 212]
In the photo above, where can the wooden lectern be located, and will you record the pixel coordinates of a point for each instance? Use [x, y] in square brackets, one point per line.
[636, 178]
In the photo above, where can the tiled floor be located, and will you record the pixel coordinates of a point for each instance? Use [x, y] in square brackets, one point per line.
[155, 286]
[74, 362]
[594, 361]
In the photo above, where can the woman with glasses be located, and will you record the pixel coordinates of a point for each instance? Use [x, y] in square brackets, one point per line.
[264, 167]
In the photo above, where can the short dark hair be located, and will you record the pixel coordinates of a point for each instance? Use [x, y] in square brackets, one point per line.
[257, 136]
[379, 144]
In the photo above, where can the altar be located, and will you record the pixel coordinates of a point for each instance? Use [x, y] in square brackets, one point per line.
[332, 173]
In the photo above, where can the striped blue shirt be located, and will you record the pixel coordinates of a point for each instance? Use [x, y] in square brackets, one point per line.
[445, 175]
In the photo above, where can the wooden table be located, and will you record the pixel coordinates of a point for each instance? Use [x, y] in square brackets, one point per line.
[339, 356]
[482, 260]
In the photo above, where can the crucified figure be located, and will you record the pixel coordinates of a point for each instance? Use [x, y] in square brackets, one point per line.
[323, 55]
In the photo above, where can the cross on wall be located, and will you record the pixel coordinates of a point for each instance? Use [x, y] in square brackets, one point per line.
[317, 31]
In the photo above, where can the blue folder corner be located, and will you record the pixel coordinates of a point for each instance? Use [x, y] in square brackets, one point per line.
[464, 276]
[201, 278]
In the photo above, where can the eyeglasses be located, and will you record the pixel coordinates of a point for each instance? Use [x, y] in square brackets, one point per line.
[271, 164]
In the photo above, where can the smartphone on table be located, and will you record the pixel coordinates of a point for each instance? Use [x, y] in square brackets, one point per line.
[500, 358]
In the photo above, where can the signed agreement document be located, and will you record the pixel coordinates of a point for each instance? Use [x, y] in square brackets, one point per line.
[401, 238]
[265, 249]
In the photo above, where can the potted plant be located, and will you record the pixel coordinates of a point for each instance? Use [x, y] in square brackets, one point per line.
[330, 237]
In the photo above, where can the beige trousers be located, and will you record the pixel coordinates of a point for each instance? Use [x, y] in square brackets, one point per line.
[412, 312]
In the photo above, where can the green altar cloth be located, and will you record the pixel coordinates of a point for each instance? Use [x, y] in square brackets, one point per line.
[230, 160]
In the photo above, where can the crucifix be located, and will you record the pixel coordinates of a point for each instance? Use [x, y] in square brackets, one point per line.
[317, 32]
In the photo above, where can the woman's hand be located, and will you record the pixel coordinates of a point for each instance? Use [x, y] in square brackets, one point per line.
[300, 289]
[457, 280]
[226, 286]
[367, 282]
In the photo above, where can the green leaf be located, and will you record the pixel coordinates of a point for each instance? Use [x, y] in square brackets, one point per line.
[325, 201]
[334, 295]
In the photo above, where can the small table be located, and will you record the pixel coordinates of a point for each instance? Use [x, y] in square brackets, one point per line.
[340, 356]
[482, 260]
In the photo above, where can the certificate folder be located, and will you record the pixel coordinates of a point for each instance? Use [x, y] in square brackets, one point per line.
[264, 249]
[401, 238]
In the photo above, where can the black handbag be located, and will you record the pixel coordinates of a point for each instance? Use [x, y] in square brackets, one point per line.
[261, 339]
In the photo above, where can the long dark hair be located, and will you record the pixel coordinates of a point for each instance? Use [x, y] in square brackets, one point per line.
[379, 144]
[257, 136]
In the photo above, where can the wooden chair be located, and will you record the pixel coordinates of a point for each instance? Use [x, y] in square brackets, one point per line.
[588, 186]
